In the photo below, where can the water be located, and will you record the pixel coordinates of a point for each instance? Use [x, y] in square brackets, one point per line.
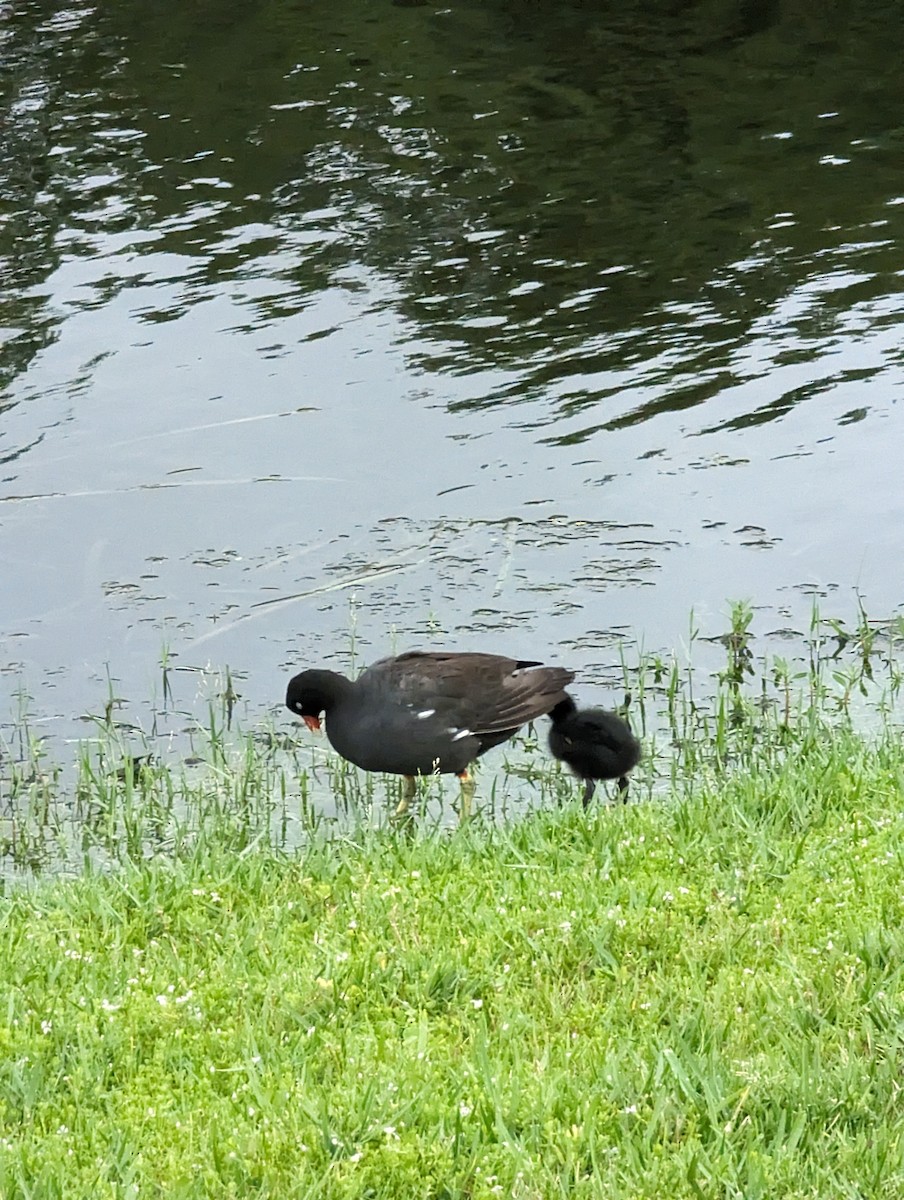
[532, 332]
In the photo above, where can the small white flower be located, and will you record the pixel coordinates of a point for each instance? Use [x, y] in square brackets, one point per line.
[478, 1003]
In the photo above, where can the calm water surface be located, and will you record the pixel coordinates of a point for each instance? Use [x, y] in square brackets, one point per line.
[531, 328]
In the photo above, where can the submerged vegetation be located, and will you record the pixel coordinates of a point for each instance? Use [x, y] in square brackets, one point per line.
[218, 991]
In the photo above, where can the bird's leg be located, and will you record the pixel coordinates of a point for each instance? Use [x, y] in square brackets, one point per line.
[468, 787]
[589, 789]
[409, 788]
[623, 788]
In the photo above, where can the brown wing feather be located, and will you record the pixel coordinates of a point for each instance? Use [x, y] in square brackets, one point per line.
[488, 692]
[520, 698]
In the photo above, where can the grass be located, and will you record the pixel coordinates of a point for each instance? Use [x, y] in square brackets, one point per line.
[696, 996]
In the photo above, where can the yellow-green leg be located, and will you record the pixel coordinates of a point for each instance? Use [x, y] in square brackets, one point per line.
[468, 787]
[409, 789]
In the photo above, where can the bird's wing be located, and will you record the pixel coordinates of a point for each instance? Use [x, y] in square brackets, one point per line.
[485, 693]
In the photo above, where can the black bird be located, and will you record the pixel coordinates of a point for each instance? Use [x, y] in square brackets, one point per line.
[423, 713]
[594, 743]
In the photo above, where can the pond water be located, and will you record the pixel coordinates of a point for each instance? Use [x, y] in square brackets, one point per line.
[531, 328]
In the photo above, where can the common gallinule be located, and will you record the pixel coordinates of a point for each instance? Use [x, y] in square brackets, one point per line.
[596, 745]
[423, 713]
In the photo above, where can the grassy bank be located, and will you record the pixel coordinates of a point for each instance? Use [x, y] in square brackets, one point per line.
[689, 997]
[211, 989]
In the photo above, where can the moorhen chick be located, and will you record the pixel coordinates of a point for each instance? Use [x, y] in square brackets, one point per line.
[594, 743]
[423, 712]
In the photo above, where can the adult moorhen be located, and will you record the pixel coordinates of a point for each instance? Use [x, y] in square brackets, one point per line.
[422, 712]
[596, 745]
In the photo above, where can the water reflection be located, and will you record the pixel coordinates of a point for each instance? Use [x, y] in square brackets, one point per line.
[524, 331]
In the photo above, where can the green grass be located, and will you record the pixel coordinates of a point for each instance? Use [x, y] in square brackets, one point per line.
[685, 999]
[220, 994]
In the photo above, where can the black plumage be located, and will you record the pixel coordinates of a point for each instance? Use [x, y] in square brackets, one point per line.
[594, 743]
[424, 712]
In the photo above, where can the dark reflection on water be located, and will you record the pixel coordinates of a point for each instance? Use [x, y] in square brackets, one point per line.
[570, 195]
[592, 313]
